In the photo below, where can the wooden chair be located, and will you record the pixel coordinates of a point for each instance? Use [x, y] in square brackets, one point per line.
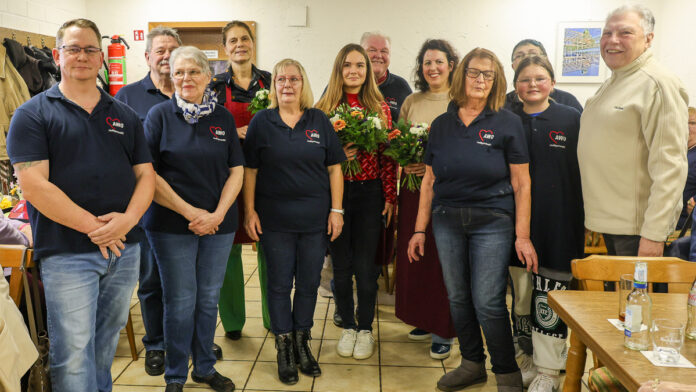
[11, 257]
[593, 271]
[594, 243]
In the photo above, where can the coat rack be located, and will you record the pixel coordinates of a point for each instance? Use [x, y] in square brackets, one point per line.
[27, 38]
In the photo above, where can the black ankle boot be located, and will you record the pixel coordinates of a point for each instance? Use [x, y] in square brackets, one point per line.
[287, 368]
[303, 354]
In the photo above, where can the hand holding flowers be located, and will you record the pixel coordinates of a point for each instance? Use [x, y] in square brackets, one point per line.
[360, 128]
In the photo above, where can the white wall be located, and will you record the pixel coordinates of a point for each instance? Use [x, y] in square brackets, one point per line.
[39, 16]
[496, 24]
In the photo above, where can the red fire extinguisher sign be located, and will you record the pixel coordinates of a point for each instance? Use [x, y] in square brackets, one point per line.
[138, 35]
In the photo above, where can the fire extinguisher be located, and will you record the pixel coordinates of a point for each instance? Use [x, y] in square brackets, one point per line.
[116, 61]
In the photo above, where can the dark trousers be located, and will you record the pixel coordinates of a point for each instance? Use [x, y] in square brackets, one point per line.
[290, 257]
[626, 245]
[150, 296]
[353, 252]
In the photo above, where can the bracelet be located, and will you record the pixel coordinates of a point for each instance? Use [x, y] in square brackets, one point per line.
[338, 211]
[418, 232]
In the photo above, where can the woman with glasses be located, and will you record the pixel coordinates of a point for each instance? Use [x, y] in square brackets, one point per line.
[293, 198]
[235, 89]
[551, 131]
[192, 221]
[476, 188]
[369, 198]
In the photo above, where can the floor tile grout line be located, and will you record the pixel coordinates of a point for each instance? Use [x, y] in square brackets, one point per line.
[379, 347]
[256, 360]
[122, 371]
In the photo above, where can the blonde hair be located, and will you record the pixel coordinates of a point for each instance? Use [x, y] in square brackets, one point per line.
[306, 96]
[496, 98]
[369, 95]
[692, 111]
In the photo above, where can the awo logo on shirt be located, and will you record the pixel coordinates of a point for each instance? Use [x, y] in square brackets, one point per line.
[486, 136]
[391, 102]
[114, 123]
[558, 139]
[312, 136]
[218, 134]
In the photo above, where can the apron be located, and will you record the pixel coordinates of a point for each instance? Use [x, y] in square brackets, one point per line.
[242, 118]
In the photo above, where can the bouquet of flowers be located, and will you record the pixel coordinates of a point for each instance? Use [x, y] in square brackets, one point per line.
[358, 126]
[407, 145]
[259, 102]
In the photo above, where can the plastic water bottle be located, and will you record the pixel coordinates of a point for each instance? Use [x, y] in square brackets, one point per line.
[638, 311]
[691, 313]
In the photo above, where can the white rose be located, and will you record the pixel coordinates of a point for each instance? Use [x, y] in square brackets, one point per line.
[415, 130]
[335, 118]
[376, 122]
[262, 94]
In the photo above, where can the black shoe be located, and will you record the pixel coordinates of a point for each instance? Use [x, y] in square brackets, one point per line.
[217, 350]
[303, 354]
[233, 335]
[216, 381]
[287, 368]
[338, 321]
[174, 387]
[154, 362]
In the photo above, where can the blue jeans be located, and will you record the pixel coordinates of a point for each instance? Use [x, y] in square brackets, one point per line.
[298, 257]
[474, 246]
[150, 296]
[87, 299]
[192, 269]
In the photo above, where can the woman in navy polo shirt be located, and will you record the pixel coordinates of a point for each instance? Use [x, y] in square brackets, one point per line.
[557, 221]
[369, 196]
[235, 89]
[477, 184]
[192, 221]
[293, 195]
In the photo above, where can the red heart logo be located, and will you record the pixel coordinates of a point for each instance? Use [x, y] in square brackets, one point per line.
[309, 133]
[213, 129]
[553, 134]
[110, 121]
[483, 132]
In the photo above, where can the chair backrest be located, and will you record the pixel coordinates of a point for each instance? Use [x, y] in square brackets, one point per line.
[11, 256]
[594, 243]
[593, 271]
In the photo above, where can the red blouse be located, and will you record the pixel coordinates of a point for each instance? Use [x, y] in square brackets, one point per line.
[374, 165]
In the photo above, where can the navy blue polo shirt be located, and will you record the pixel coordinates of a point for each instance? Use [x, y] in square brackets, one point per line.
[395, 89]
[292, 183]
[91, 159]
[470, 163]
[195, 160]
[141, 96]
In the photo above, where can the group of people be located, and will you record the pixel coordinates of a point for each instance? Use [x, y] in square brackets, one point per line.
[160, 184]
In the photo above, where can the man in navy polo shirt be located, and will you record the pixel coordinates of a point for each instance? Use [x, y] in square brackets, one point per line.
[394, 88]
[84, 166]
[156, 87]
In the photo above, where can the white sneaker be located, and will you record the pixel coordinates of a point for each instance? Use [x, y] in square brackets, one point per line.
[527, 367]
[364, 345]
[346, 345]
[544, 383]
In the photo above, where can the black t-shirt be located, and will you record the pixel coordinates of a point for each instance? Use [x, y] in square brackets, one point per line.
[471, 163]
[91, 158]
[195, 160]
[292, 183]
[512, 101]
[395, 90]
[557, 219]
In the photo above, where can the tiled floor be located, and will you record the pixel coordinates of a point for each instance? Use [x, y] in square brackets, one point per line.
[398, 364]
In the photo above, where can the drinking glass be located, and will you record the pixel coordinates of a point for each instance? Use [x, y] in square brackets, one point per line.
[667, 339]
[625, 287]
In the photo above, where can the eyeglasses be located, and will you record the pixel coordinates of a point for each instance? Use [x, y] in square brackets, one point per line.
[281, 81]
[193, 73]
[74, 50]
[535, 80]
[474, 73]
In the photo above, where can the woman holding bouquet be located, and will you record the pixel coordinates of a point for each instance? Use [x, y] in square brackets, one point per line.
[368, 198]
[235, 90]
[477, 189]
[421, 297]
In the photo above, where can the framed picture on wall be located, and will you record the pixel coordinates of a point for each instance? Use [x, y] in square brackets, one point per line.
[578, 59]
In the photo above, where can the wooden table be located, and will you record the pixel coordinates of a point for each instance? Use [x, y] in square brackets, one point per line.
[586, 314]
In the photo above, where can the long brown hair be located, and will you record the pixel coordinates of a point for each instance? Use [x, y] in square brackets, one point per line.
[496, 98]
[369, 95]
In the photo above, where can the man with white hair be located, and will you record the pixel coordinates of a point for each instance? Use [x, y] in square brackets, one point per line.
[633, 141]
[394, 88]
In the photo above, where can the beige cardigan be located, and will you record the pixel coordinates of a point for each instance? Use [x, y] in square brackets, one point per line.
[632, 151]
[17, 350]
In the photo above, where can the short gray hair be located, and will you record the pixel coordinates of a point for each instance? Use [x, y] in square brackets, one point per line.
[369, 34]
[647, 19]
[190, 53]
[160, 31]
